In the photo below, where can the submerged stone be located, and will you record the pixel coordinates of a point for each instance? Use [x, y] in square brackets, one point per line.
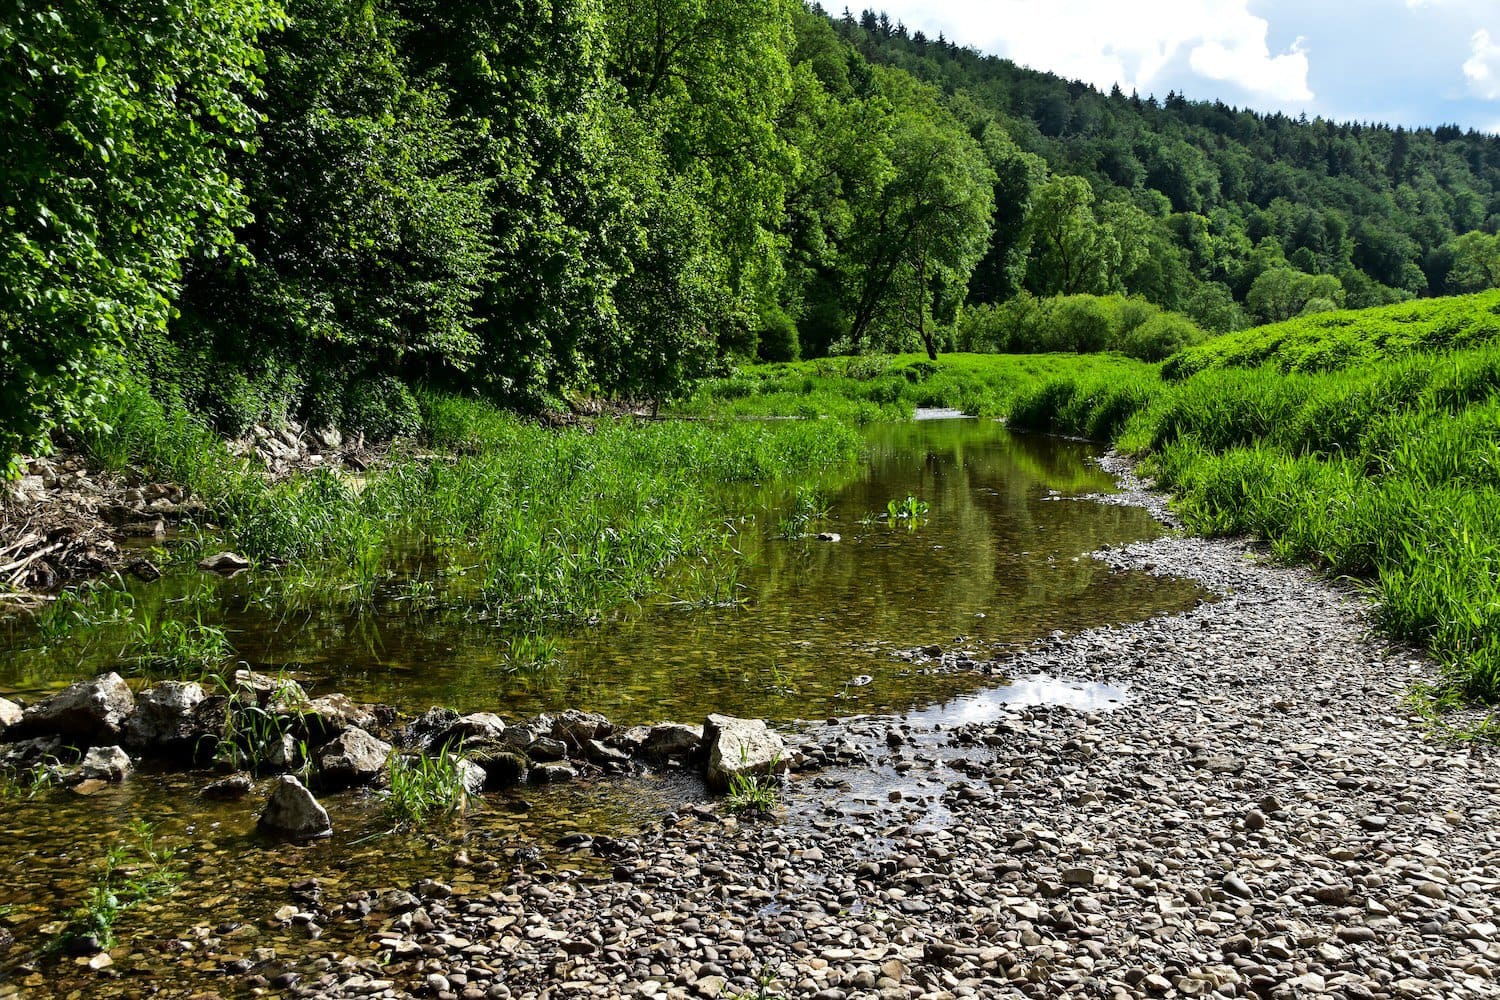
[503, 767]
[236, 786]
[224, 562]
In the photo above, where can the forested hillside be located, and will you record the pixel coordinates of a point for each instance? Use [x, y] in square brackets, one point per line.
[307, 210]
[1192, 203]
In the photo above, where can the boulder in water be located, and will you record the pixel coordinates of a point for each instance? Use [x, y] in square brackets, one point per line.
[292, 812]
[92, 711]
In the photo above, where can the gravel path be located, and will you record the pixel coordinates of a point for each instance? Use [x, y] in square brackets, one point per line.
[1261, 818]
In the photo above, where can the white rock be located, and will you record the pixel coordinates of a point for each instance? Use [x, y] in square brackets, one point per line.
[93, 710]
[105, 764]
[741, 747]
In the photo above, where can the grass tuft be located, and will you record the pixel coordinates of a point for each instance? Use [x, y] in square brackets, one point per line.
[424, 786]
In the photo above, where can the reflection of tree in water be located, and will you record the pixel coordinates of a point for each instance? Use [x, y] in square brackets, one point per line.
[991, 544]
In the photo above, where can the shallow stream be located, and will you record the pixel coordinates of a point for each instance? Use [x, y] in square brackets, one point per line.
[811, 633]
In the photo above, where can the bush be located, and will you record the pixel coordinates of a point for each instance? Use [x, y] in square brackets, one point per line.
[1079, 324]
[382, 408]
[1160, 337]
[1083, 324]
[778, 337]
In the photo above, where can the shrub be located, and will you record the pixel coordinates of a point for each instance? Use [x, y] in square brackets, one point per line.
[1161, 336]
[1082, 324]
[778, 337]
[382, 408]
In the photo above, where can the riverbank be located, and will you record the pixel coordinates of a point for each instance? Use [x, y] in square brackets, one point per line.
[1261, 817]
[1360, 442]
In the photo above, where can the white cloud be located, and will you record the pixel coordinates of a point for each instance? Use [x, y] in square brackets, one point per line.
[1482, 69]
[1130, 43]
[1250, 64]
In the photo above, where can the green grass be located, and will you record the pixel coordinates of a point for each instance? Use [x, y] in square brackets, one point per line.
[424, 786]
[866, 390]
[184, 650]
[1333, 341]
[753, 794]
[487, 515]
[807, 507]
[24, 785]
[1367, 443]
[254, 735]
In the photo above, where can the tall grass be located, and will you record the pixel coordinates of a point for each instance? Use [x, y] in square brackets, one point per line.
[547, 524]
[1333, 341]
[1348, 441]
[423, 786]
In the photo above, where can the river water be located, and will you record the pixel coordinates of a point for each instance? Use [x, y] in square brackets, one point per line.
[810, 632]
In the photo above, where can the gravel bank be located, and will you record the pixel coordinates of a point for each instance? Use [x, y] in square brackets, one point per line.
[1261, 818]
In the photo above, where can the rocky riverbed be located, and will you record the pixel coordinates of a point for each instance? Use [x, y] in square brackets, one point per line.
[1260, 817]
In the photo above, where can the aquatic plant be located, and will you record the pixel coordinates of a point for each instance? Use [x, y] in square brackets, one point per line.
[775, 680]
[808, 505]
[26, 784]
[909, 510]
[526, 526]
[751, 793]
[531, 653]
[709, 580]
[258, 737]
[92, 605]
[423, 786]
[171, 647]
[131, 873]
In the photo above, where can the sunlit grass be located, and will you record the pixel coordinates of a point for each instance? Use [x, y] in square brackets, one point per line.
[1354, 442]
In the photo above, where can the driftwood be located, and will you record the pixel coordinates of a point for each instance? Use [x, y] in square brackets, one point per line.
[50, 545]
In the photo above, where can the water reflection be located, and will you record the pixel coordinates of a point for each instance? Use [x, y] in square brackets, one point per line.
[992, 561]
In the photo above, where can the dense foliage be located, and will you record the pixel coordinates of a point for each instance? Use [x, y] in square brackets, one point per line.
[320, 209]
[1222, 213]
[116, 121]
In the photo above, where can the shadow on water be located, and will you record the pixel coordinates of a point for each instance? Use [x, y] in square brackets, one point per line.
[997, 559]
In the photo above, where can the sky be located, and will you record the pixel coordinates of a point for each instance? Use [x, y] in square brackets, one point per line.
[1401, 62]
